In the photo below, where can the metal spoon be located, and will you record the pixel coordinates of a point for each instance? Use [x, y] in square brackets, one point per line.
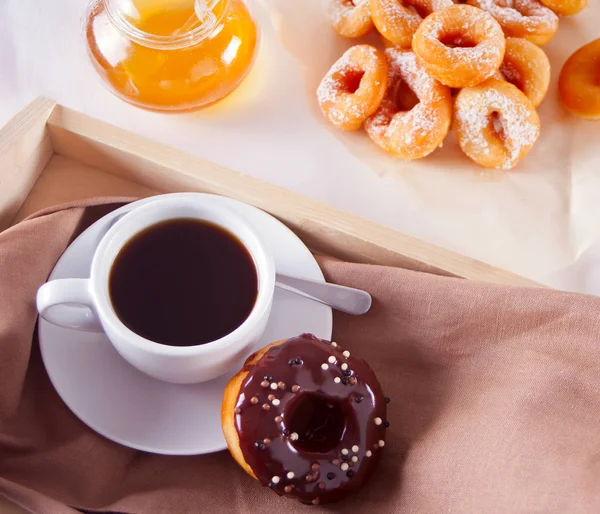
[345, 299]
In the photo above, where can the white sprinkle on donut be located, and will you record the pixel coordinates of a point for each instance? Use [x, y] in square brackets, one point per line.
[345, 451]
[294, 436]
[354, 458]
[355, 448]
[275, 479]
[290, 475]
[324, 366]
[381, 443]
[378, 421]
[337, 380]
[346, 353]
[276, 402]
[334, 344]
[331, 360]
[273, 386]
[344, 366]
[368, 453]
[344, 466]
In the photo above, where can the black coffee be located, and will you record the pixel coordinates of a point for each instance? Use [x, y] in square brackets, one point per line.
[183, 282]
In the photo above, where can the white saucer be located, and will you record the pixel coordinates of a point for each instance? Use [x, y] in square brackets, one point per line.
[123, 404]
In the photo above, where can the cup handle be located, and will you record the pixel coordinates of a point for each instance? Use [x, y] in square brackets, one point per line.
[68, 303]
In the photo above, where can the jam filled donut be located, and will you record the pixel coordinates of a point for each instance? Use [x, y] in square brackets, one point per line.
[351, 18]
[528, 19]
[354, 87]
[579, 82]
[407, 131]
[460, 46]
[566, 7]
[306, 419]
[526, 66]
[398, 20]
[495, 123]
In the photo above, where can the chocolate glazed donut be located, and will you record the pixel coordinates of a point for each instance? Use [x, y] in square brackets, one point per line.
[306, 419]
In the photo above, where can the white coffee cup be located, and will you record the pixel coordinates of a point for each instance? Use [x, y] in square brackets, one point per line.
[84, 304]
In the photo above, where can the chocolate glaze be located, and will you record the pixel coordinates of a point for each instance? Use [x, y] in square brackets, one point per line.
[308, 427]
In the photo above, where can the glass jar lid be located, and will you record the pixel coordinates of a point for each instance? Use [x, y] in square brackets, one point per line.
[165, 24]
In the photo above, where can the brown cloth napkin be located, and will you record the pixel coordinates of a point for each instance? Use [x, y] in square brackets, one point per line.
[495, 401]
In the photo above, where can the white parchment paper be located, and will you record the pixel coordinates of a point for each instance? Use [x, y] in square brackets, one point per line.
[541, 217]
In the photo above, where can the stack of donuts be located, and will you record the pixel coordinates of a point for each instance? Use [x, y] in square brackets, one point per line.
[475, 67]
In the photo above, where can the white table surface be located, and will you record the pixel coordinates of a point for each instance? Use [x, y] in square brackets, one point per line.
[539, 225]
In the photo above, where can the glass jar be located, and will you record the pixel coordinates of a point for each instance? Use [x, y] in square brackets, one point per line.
[171, 55]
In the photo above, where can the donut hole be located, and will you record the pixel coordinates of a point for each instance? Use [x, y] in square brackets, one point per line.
[458, 40]
[318, 420]
[512, 74]
[351, 80]
[526, 8]
[497, 125]
[417, 7]
[350, 3]
[404, 97]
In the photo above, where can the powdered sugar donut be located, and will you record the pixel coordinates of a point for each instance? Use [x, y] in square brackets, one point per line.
[460, 46]
[351, 18]
[406, 131]
[398, 20]
[495, 123]
[526, 66]
[354, 87]
[528, 19]
[566, 7]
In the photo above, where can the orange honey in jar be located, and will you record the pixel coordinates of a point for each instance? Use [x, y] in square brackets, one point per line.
[171, 55]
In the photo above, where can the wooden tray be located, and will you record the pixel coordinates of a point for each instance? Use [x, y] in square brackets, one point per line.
[50, 154]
